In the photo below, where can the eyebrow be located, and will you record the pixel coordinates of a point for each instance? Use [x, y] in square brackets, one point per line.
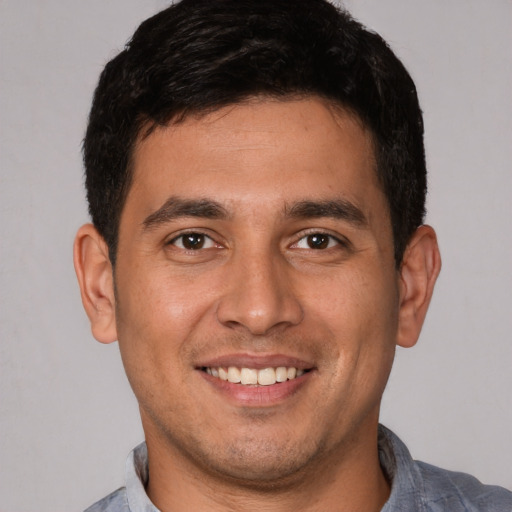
[335, 209]
[177, 207]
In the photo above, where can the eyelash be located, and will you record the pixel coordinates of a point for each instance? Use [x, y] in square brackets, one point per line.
[338, 241]
[206, 239]
[182, 236]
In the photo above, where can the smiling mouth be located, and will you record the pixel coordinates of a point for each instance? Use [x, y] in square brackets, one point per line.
[252, 376]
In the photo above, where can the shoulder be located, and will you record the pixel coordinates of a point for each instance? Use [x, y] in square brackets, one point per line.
[114, 502]
[449, 490]
[422, 487]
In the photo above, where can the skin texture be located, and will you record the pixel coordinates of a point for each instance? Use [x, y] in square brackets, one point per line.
[255, 294]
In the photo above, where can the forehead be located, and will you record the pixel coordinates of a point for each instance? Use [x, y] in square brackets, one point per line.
[271, 151]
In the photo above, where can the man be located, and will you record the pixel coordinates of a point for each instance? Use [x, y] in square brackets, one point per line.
[256, 180]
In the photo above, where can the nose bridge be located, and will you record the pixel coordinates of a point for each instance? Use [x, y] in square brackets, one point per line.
[259, 295]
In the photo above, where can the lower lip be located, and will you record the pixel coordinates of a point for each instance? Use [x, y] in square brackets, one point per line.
[257, 396]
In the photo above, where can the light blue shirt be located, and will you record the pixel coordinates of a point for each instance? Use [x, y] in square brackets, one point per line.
[415, 486]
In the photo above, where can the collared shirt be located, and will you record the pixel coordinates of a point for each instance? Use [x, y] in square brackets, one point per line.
[415, 486]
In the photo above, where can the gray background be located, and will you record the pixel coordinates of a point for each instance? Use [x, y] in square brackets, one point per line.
[67, 416]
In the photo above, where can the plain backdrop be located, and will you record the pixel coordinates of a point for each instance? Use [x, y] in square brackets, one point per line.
[67, 415]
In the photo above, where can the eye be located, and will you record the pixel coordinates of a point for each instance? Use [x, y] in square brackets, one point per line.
[317, 241]
[193, 241]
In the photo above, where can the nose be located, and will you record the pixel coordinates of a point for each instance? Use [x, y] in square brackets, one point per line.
[259, 297]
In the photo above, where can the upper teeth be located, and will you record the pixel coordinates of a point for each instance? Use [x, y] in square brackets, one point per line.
[263, 377]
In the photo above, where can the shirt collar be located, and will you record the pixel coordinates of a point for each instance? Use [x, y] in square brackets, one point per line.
[136, 476]
[407, 489]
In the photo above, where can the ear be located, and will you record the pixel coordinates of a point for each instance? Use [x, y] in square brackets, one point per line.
[418, 273]
[95, 277]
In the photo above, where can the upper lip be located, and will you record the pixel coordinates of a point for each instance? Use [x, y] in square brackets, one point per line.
[256, 361]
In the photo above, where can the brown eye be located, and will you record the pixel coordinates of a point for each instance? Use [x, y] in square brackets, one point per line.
[193, 241]
[318, 241]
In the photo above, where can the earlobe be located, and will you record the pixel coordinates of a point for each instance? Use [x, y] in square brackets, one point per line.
[95, 277]
[418, 273]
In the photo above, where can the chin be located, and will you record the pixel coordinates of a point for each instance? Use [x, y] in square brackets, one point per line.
[260, 464]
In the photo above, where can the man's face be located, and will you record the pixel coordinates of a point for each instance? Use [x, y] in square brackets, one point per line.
[257, 237]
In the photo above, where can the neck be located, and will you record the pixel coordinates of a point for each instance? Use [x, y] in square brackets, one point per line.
[348, 479]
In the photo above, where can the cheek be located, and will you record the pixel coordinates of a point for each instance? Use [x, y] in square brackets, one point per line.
[157, 300]
[156, 316]
[359, 310]
[377, 311]
[355, 299]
